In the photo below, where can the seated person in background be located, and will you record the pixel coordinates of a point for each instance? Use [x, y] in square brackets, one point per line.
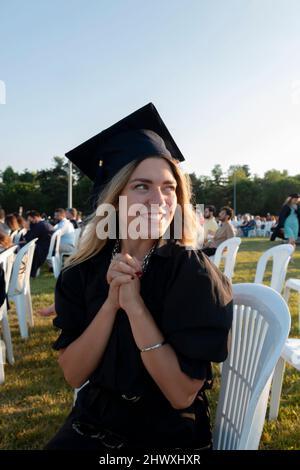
[21, 221]
[47, 311]
[12, 223]
[71, 215]
[43, 231]
[246, 228]
[5, 241]
[3, 226]
[225, 231]
[210, 224]
[67, 241]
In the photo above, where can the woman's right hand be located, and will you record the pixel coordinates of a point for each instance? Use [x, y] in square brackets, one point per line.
[122, 270]
[122, 264]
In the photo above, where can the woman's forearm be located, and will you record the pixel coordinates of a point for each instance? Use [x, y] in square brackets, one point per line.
[162, 363]
[82, 356]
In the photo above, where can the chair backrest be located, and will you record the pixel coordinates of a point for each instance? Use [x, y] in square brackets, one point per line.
[231, 245]
[54, 244]
[281, 256]
[20, 277]
[261, 324]
[77, 237]
[18, 236]
[7, 259]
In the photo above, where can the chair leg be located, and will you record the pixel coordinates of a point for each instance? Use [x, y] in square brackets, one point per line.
[286, 294]
[299, 310]
[1, 366]
[29, 311]
[7, 339]
[276, 389]
[20, 302]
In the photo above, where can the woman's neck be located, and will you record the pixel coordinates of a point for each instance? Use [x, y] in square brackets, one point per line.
[138, 248]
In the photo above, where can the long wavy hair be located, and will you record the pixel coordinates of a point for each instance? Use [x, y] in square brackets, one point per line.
[90, 244]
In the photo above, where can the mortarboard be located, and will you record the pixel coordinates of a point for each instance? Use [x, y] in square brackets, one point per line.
[141, 134]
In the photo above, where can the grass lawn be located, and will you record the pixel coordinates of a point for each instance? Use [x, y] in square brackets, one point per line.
[35, 399]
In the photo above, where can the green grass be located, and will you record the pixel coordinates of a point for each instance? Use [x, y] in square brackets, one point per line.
[34, 400]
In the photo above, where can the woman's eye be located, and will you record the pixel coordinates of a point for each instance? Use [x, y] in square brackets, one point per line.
[141, 186]
[170, 188]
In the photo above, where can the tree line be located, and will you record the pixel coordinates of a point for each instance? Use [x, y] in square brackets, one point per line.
[47, 189]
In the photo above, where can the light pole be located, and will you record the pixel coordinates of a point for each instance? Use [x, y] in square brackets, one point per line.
[234, 192]
[70, 185]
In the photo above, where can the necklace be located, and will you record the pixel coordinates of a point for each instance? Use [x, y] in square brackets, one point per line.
[117, 247]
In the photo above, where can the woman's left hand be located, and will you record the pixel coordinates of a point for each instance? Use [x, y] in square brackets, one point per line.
[129, 295]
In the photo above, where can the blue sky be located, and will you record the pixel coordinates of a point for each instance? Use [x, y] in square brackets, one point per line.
[224, 75]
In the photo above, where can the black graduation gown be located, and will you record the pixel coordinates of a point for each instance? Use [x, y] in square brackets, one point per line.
[43, 231]
[177, 290]
[2, 286]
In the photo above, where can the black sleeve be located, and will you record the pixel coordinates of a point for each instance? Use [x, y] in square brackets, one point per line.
[2, 287]
[70, 307]
[284, 213]
[195, 322]
[31, 234]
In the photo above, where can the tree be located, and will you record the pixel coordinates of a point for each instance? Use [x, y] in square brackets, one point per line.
[217, 174]
[239, 172]
[275, 175]
[9, 176]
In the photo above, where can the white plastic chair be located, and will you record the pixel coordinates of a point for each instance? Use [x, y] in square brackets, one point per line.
[77, 236]
[281, 256]
[231, 246]
[290, 354]
[261, 325]
[54, 254]
[19, 287]
[6, 262]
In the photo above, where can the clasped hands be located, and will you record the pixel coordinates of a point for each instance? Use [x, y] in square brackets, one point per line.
[124, 285]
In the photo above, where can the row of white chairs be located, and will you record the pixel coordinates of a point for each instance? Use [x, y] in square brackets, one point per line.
[16, 269]
[280, 256]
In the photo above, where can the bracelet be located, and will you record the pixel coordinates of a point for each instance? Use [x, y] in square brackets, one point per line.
[155, 346]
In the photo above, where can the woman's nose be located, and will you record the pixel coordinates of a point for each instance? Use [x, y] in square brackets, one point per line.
[157, 197]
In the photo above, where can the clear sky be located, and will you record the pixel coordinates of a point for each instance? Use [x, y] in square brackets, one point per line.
[224, 75]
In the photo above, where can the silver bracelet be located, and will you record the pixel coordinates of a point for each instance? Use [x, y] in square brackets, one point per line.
[155, 346]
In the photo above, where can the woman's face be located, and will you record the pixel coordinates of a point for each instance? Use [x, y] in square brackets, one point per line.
[151, 200]
[294, 200]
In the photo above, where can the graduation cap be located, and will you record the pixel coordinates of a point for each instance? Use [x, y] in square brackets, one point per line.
[140, 135]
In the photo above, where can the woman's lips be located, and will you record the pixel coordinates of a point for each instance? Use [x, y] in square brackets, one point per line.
[153, 216]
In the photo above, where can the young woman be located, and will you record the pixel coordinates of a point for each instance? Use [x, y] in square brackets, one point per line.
[288, 226]
[141, 319]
